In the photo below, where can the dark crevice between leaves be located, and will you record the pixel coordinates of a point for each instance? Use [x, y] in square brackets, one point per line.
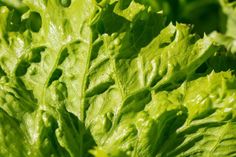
[172, 85]
[56, 74]
[183, 148]
[34, 56]
[79, 128]
[171, 39]
[221, 61]
[24, 97]
[174, 144]
[167, 87]
[48, 133]
[155, 81]
[110, 22]
[13, 21]
[22, 68]
[16, 24]
[63, 55]
[204, 15]
[62, 134]
[26, 94]
[99, 89]
[230, 1]
[140, 34]
[168, 123]
[204, 23]
[95, 49]
[202, 69]
[133, 103]
[34, 22]
[2, 72]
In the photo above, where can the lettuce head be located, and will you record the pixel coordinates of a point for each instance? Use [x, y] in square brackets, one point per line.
[117, 78]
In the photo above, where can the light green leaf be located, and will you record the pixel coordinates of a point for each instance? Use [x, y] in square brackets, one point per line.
[108, 78]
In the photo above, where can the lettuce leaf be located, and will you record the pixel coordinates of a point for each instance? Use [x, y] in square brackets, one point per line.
[110, 78]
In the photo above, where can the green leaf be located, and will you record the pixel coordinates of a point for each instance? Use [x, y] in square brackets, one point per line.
[108, 78]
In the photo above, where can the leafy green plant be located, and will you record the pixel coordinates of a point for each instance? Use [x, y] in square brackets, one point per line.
[117, 78]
